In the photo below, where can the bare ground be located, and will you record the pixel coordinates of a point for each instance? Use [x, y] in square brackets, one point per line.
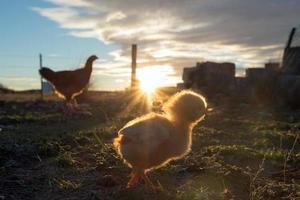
[240, 151]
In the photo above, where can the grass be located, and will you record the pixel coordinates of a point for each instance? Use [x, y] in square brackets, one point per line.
[238, 153]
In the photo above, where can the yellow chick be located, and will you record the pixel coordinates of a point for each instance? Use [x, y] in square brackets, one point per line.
[153, 140]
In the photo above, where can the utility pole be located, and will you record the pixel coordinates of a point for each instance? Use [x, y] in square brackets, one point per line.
[289, 42]
[41, 65]
[133, 66]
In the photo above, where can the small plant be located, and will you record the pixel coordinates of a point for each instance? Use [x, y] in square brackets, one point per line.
[288, 158]
[254, 191]
[188, 192]
[64, 184]
[65, 160]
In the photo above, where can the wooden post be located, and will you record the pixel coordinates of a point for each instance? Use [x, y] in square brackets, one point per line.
[41, 65]
[133, 65]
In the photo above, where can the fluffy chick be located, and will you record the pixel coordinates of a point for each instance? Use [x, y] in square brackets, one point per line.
[153, 140]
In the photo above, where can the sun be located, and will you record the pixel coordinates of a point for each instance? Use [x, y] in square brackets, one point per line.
[148, 87]
[149, 81]
[151, 78]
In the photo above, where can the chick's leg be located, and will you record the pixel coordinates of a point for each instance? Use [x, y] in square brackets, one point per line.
[148, 182]
[135, 177]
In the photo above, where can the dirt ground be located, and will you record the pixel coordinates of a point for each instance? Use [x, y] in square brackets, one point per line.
[240, 151]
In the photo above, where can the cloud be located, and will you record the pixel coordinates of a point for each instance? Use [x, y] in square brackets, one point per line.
[179, 33]
[17, 78]
[19, 82]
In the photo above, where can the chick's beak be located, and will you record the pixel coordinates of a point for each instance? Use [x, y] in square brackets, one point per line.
[208, 110]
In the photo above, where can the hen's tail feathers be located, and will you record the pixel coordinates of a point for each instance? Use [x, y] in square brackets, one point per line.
[47, 73]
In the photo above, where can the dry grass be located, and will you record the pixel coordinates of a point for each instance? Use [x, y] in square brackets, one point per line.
[239, 152]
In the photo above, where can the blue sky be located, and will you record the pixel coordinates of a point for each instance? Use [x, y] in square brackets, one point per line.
[171, 35]
[26, 34]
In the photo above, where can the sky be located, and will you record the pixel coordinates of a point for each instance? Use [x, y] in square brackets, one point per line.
[171, 35]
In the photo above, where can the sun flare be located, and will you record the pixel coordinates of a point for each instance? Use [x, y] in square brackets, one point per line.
[148, 87]
[153, 77]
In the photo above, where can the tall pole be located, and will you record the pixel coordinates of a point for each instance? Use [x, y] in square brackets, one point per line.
[41, 65]
[133, 65]
[286, 59]
[289, 42]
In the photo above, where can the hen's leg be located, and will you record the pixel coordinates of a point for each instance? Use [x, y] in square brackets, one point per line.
[148, 182]
[68, 108]
[78, 109]
[135, 177]
[75, 104]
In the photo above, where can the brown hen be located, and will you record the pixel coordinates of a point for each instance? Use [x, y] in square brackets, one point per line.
[69, 84]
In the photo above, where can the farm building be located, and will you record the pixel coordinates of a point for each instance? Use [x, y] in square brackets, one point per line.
[291, 55]
[274, 82]
[210, 76]
[289, 80]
